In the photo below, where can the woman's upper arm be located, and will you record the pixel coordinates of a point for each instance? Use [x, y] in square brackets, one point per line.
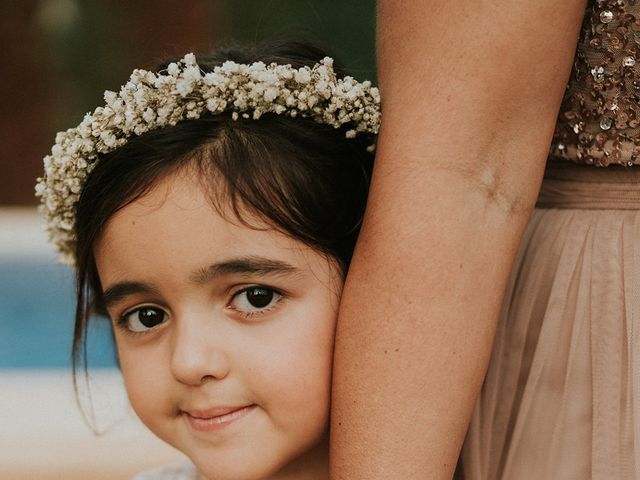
[463, 81]
[470, 93]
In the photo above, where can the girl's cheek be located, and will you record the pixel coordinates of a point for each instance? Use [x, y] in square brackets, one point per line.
[303, 365]
[142, 373]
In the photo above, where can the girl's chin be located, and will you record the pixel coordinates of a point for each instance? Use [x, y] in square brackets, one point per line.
[235, 472]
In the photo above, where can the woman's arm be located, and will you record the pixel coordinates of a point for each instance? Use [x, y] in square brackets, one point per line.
[470, 90]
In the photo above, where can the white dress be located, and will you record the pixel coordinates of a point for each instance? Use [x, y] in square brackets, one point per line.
[182, 471]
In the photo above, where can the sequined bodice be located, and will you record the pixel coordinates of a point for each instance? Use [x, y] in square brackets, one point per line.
[599, 121]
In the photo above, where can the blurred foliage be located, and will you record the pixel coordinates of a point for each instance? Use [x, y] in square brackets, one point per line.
[63, 54]
[344, 28]
[89, 54]
[94, 48]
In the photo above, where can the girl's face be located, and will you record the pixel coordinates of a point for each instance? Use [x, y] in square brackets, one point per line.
[224, 333]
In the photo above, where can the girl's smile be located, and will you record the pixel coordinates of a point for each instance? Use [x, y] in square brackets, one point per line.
[216, 418]
[224, 332]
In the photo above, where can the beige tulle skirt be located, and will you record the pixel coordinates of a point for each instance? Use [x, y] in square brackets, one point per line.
[561, 399]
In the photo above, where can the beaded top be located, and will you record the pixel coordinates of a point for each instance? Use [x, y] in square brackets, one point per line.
[599, 121]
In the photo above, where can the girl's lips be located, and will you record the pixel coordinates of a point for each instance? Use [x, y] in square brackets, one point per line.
[215, 418]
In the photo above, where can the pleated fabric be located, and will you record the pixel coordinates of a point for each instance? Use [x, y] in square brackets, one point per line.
[561, 399]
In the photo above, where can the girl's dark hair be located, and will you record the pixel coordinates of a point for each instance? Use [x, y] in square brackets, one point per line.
[302, 178]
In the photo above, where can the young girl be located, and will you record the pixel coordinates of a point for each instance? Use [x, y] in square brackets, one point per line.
[211, 211]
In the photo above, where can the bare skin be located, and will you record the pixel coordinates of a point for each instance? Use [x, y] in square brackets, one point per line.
[470, 91]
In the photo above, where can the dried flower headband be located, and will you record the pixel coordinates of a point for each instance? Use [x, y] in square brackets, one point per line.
[149, 101]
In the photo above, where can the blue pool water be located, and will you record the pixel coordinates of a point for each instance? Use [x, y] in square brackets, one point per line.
[36, 318]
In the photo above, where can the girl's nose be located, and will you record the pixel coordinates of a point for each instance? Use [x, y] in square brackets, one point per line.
[197, 355]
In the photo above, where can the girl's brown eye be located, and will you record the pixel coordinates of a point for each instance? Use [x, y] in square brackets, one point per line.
[259, 297]
[144, 318]
[255, 299]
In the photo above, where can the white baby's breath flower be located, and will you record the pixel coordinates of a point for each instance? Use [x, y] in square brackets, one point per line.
[257, 67]
[302, 75]
[65, 225]
[230, 67]
[149, 115]
[57, 150]
[141, 96]
[110, 97]
[192, 73]
[241, 100]
[130, 118]
[212, 78]
[173, 69]
[193, 114]
[40, 188]
[270, 94]
[215, 105]
[184, 87]
[108, 138]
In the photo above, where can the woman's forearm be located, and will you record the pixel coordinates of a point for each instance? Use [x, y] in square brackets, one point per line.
[470, 93]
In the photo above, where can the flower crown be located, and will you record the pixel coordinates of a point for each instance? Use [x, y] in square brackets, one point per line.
[149, 101]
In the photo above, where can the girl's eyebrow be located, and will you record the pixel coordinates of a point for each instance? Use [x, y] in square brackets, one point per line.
[244, 265]
[252, 265]
[118, 291]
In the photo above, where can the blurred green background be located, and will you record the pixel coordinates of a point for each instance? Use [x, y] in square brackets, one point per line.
[58, 57]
